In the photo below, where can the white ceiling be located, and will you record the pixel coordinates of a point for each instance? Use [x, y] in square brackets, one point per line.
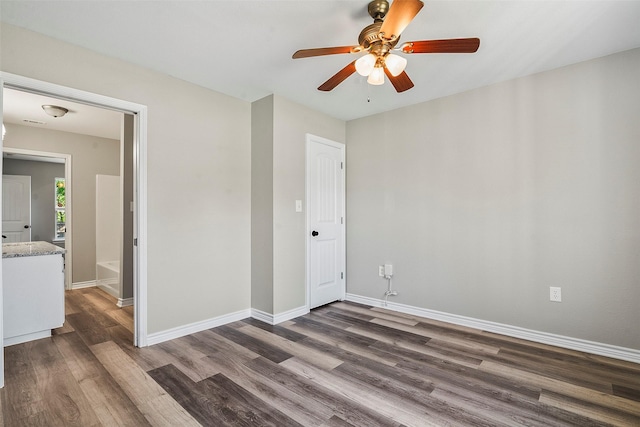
[25, 109]
[243, 48]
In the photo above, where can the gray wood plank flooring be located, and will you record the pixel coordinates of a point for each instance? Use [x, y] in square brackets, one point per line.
[343, 364]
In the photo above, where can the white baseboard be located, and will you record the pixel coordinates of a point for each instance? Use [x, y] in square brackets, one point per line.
[592, 347]
[262, 316]
[192, 328]
[274, 319]
[124, 302]
[80, 285]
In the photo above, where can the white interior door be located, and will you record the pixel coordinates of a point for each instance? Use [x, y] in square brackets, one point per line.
[16, 208]
[325, 221]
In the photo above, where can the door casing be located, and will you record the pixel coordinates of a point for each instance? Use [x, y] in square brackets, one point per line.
[313, 139]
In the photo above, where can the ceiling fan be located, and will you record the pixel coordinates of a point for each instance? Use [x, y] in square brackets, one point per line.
[380, 39]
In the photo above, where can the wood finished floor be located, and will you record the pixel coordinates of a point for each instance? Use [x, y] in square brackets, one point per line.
[342, 365]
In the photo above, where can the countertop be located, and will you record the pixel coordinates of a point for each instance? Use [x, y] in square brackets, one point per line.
[22, 249]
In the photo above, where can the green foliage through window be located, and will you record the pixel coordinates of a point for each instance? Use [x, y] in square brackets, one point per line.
[61, 204]
[60, 193]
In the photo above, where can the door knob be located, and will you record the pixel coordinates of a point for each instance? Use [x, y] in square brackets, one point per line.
[27, 226]
[314, 233]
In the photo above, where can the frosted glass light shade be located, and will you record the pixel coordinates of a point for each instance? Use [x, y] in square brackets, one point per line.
[395, 64]
[376, 77]
[365, 64]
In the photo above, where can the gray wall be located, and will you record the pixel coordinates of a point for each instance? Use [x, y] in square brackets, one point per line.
[292, 122]
[90, 155]
[198, 175]
[127, 181]
[279, 129]
[262, 204]
[485, 199]
[43, 177]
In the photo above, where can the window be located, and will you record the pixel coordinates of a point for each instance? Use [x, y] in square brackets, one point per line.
[61, 204]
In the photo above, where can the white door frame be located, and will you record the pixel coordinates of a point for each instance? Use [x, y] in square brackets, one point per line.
[68, 256]
[311, 139]
[140, 197]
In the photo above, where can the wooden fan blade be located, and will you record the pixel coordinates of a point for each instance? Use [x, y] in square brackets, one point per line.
[442, 46]
[338, 78]
[401, 82]
[400, 14]
[306, 53]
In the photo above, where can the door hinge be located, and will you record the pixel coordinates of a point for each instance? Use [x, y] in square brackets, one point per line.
[341, 165]
[135, 241]
[341, 220]
[342, 275]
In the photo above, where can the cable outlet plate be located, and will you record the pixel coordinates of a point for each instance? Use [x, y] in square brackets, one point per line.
[555, 294]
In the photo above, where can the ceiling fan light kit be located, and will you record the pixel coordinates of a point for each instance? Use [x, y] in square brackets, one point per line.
[379, 39]
[395, 64]
[365, 64]
[376, 77]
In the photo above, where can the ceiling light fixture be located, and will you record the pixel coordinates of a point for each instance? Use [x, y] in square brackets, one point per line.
[54, 110]
[365, 64]
[376, 77]
[395, 64]
[372, 66]
[377, 41]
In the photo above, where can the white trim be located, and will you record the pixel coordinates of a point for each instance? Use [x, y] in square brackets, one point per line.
[82, 285]
[602, 349]
[68, 241]
[140, 229]
[262, 316]
[309, 139]
[124, 302]
[1, 302]
[181, 331]
[140, 175]
[274, 319]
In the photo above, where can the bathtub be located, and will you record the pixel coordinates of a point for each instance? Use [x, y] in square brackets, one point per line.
[108, 277]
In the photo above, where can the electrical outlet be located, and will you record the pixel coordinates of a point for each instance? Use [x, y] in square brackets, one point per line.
[555, 294]
[381, 270]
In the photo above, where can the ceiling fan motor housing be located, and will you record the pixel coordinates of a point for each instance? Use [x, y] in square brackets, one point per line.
[378, 9]
[370, 39]
[370, 36]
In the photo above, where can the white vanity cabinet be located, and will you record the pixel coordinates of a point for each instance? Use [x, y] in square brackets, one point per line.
[33, 285]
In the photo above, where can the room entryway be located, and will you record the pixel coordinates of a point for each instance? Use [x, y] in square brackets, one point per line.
[325, 221]
[139, 232]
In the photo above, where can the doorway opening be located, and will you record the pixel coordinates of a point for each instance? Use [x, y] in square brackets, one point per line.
[138, 113]
[45, 220]
[83, 214]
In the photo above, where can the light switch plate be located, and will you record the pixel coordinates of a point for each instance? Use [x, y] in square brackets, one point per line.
[298, 205]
